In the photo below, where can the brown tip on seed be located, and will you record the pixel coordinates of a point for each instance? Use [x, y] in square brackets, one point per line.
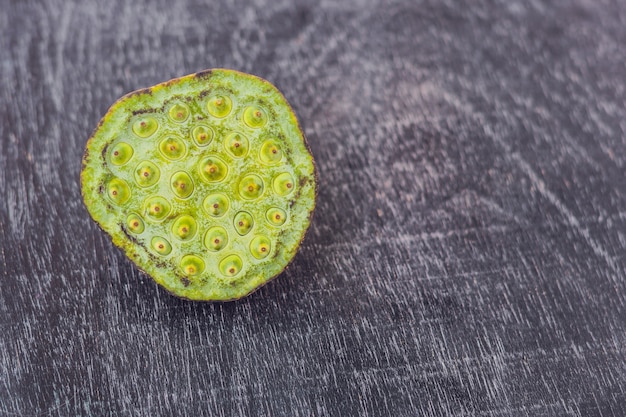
[202, 136]
[184, 230]
[157, 208]
[216, 241]
[251, 188]
[179, 114]
[114, 192]
[182, 186]
[142, 123]
[289, 185]
[241, 223]
[231, 270]
[216, 205]
[212, 170]
[218, 102]
[116, 153]
[172, 148]
[161, 246]
[146, 173]
[263, 249]
[135, 224]
[237, 144]
[278, 217]
[274, 150]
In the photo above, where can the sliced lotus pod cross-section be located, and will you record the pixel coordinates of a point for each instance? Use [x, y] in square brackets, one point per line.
[205, 181]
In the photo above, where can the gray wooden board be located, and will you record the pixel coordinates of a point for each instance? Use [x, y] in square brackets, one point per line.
[468, 252]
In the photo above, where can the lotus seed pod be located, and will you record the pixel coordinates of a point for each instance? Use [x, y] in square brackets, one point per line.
[205, 181]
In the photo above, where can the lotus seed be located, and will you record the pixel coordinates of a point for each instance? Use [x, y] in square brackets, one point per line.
[276, 216]
[179, 112]
[270, 153]
[260, 247]
[121, 153]
[243, 222]
[237, 145]
[173, 148]
[251, 187]
[192, 265]
[202, 135]
[147, 174]
[134, 223]
[215, 205]
[216, 238]
[145, 126]
[161, 245]
[157, 208]
[219, 106]
[231, 265]
[254, 117]
[182, 184]
[213, 169]
[119, 191]
[283, 184]
[184, 228]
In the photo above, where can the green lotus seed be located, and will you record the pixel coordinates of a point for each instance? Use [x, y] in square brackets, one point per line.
[202, 135]
[243, 222]
[276, 216]
[213, 169]
[231, 265]
[157, 208]
[270, 153]
[195, 179]
[237, 145]
[219, 106]
[118, 191]
[121, 153]
[283, 184]
[172, 148]
[215, 205]
[145, 126]
[255, 117]
[146, 174]
[134, 223]
[260, 247]
[182, 184]
[184, 228]
[216, 238]
[192, 265]
[179, 112]
[161, 245]
[251, 187]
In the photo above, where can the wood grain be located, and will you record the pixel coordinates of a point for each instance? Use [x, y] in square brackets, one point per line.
[468, 252]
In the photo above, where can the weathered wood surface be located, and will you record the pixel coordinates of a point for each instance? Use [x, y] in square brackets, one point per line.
[468, 252]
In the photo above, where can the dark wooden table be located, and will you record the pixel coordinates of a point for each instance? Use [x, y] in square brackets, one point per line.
[468, 253]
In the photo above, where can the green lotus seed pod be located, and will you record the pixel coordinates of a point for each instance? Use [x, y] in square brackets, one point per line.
[219, 106]
[182, 184]
[121, 153]
[243, 223]
[173, 148]
[161, 245]
[205, 181]
[213, 169]
[202, 135]
[179, 112]
[134, 222]
[215, 205]
[146, 174]
[236, 145]
[145, 126]
[118, 191]
[216, 238]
